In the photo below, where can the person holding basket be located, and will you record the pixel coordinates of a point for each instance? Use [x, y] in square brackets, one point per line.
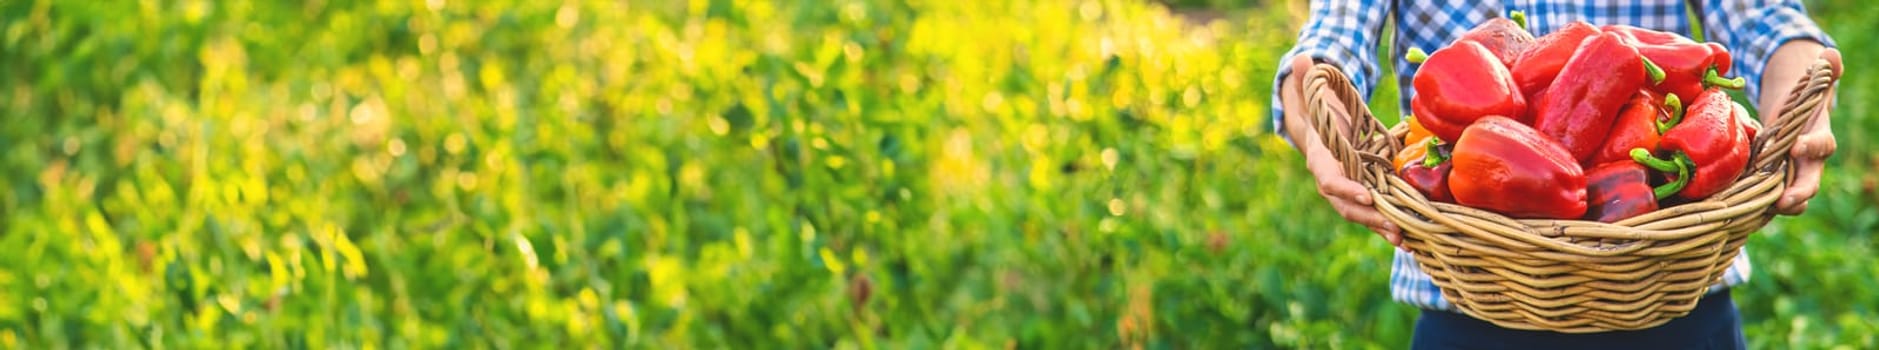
[1773, 44]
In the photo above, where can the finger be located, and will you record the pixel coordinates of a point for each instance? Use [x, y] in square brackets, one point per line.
[1793, 210]
[1331, 178]
[1360, 214]
[1369, 217]
[1389, 234]
[1344, 188]
[1814, 145]
[1809, 150]
[1832, 55]
[1805, 185]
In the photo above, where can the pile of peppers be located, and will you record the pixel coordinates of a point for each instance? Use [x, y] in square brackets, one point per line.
[1588, 122]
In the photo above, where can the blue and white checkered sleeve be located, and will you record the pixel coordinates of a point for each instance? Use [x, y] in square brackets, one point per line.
[1339, 32]
[1753, 29]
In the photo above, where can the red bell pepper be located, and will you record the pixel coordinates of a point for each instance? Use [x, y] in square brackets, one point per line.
[1505, 38]
[1750, 126]
[1688, 66]
[1460, 84]
[1709, 143]
[1618, 190]
[1430, 124]
[1424, 165]
[1535, 69]
[1581, 106]
[1646, 36]
[1510, 168]
[1641, 123]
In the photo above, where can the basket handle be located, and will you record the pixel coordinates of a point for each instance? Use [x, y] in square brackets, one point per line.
[1805, 102]
[1364, 147]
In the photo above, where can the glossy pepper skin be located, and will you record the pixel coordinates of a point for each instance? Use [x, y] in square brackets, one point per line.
[1688, 66]
[1424, 165]
[1462, 83]
[1583, 103]
[1710, 143]
[1429, 125]
[1618, 190]
[1750, 126]
[1506, 38]
[1646, 36]
[1507, 167]
[1536, 68]
[1640, 124]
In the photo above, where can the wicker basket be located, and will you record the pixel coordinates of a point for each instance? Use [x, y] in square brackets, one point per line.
[1568, 276]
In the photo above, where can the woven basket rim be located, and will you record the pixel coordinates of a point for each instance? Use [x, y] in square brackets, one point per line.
[1816, 86]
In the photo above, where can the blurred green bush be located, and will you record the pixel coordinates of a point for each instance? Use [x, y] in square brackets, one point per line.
[716, 173]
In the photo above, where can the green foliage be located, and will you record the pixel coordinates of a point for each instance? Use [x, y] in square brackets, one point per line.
[712, 174]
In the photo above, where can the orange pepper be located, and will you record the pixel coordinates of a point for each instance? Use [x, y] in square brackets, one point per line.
[1424, 164]
[1416, 130]
[1411, 153]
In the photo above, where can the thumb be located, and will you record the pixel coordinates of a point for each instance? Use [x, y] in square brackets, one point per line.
[1301, 66]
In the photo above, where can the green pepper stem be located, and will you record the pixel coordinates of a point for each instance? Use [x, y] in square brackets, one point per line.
[1680, 164]
[1643, 156]
[1711, 78]
[1684, 164]
[1651, 68]
[1432, 155]
[1676, 113]
[1416, 55]
[1519, 17]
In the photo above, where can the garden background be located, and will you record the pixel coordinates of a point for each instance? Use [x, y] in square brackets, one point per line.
[728, 174]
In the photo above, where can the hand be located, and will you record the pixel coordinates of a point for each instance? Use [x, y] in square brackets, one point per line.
[1349, 198]
[1816, 143]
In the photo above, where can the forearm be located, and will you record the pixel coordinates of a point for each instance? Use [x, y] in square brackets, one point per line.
[1296, 127]
[1785, 68]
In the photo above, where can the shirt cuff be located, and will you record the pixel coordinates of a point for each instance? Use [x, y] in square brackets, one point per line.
[1777, 25]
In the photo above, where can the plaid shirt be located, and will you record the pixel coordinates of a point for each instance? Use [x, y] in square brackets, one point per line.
[1345, 33]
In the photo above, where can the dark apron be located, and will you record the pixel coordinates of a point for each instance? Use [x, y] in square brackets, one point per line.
[1714, 324]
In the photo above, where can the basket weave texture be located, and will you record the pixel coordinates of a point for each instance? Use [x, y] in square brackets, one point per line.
[1570, 276]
